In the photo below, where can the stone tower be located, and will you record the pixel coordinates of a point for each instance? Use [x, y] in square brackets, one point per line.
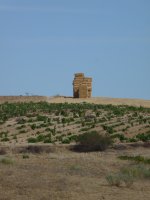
[82, 86]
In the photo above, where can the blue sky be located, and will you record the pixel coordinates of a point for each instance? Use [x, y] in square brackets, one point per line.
[44, 42]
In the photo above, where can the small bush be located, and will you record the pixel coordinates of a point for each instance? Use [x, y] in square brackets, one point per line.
[109, 129]
[32, 140]
[128, 179]
[137, 171]
[93, 141]
[3, 134]
[40, 138]
[33, 126]
[128, 175]
[143, 137]
[41, 118]
[5, 139]
[6, 161]
[15, 137]
[114, 180]
[47, 140]
[120, 178]
[22, 131]
[121, 137]
[73, 138]
[47, 129]
[85, 129]
[20, 127]
[139, 159]
[21, 120]
[25, 156]
[66, 141]
[132, 139]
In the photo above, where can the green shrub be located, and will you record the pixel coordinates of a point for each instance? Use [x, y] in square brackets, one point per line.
[47, 140]
[33, 126]
[6, 161]
[41, 118]
[85, 129]
[40, 138]
[109, 129]
[47, 129]
[21, 121]
[125, 177]
[65, 141]
[143, 137]
[114, 180]
[73, 138]
[121, 137]
[137, 171]
[32, 140]
[132, 139]
[25, 156]
[15, 137]
[139, 159]
[128, 175]
[3, 134]
[20, 127]
[128, 179]
[22, 131]
[30, 120]
[5, 139]
[93, 141]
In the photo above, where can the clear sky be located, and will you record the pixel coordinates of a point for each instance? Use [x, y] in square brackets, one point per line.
[44, 42]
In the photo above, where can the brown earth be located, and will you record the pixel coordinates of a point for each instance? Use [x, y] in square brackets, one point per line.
[12, 99]
[62, 174]
[15, 131]
[51, 171]
[103, 100]
[61, 99]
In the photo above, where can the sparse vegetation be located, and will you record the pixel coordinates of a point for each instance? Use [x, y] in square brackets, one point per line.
[25, 156]
[128, 175]
[40, 138]
[138, 159]
[6, 161]
[122, 123]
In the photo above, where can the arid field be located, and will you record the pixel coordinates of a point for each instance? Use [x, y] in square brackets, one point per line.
[39, 159]
[62, 99]
[62, 174]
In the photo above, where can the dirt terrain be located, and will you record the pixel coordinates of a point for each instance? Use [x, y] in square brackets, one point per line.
[38, 161]
[61, 99]
[13, 99]
[62, 174]
[102, 100]
[63, 123]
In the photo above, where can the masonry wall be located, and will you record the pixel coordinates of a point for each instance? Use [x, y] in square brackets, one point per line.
[82, 86]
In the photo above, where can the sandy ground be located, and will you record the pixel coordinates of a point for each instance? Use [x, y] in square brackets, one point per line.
[102, 100]
[66, 175]
[95, 100]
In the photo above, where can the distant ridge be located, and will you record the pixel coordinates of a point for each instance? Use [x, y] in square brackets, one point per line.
[13, 99]
[65, 99]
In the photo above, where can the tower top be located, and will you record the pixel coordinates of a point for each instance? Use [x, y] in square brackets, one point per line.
[79, 74]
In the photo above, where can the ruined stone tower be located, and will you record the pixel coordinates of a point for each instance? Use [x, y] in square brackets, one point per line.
[82, 86]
